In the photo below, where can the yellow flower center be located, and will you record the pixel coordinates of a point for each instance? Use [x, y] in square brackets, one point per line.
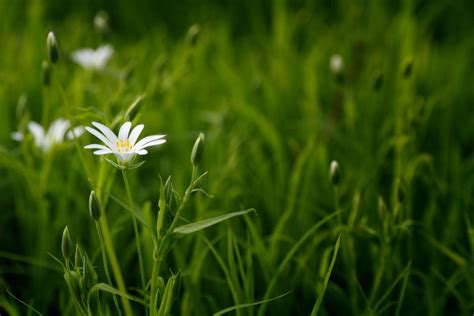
[123, 145]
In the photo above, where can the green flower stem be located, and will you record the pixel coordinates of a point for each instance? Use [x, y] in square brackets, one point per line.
[158, 253]
[183, 203]
[157, 259]
[114, 263]
[45, 109]
[336, 204]
[135, 227]
[106, 266]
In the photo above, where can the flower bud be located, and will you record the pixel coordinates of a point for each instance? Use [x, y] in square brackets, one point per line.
[169, 193]
[193, 34]
[53, 51]
[66, 244]
[336, 64]
[161, 283]
[94, 206]
[101, 22]
[196, 154]
[334, 172]
[46, 73]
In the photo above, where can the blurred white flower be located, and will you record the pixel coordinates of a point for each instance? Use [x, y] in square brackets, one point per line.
[124, 145]
[93, 59]
[55, 134]
[336, 64]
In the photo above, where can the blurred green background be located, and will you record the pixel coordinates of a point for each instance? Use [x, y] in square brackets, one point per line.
[257, 81]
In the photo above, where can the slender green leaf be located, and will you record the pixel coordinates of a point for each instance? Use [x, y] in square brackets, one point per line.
[197, 226]
[111, 290]
[290, 255]
[319, 300]
[236, 307]
[31, 308]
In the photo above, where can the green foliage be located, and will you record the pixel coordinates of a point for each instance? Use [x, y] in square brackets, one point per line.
[255, 78]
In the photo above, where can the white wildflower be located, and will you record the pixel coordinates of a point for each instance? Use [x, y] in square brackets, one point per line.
[124, 145]
[93, 59]
[53, 136]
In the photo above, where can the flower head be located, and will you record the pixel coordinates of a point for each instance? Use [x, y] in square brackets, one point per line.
[124, 145]
[93, 59]
[336, 64]
[52, 45]
[45, 140]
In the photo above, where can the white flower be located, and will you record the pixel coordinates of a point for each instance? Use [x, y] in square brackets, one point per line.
[93, 59]
[336, 64]
[124, 145]
[55, 134]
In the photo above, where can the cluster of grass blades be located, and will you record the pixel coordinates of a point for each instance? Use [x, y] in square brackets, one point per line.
[375, 94]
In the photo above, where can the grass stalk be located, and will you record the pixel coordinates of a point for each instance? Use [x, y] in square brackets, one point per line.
[135, 228]
[104, 260]
[114, 264]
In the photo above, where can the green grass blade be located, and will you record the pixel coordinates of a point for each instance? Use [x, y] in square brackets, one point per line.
[111, 290]
[290, 255]
[197, 226]
[405, 272]
[319, 300]
[235, 307]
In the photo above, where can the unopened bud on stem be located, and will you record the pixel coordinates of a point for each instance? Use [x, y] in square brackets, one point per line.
[101, 22]
[196, 154]
[94, 206]
[334, 172]
[193, 34]
[53, 51]
[66, 244]
[336, 64]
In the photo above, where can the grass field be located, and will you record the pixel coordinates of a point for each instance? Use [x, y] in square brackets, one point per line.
[270, 229]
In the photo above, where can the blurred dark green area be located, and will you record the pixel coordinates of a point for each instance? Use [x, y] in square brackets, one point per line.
[258, 83]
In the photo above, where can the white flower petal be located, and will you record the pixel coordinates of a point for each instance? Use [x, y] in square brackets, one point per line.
[124, 157]
[96, 146]
[84, 57]
[124, 130]
[103, 151]
[102, 55]
[106, 131]
[57, 130]
[100, 136]
[17, 136]
[75, 132]
[147, 140]
[142, 152]
[135, 133]
[93, 59]
[38, 133]
[152, 143]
